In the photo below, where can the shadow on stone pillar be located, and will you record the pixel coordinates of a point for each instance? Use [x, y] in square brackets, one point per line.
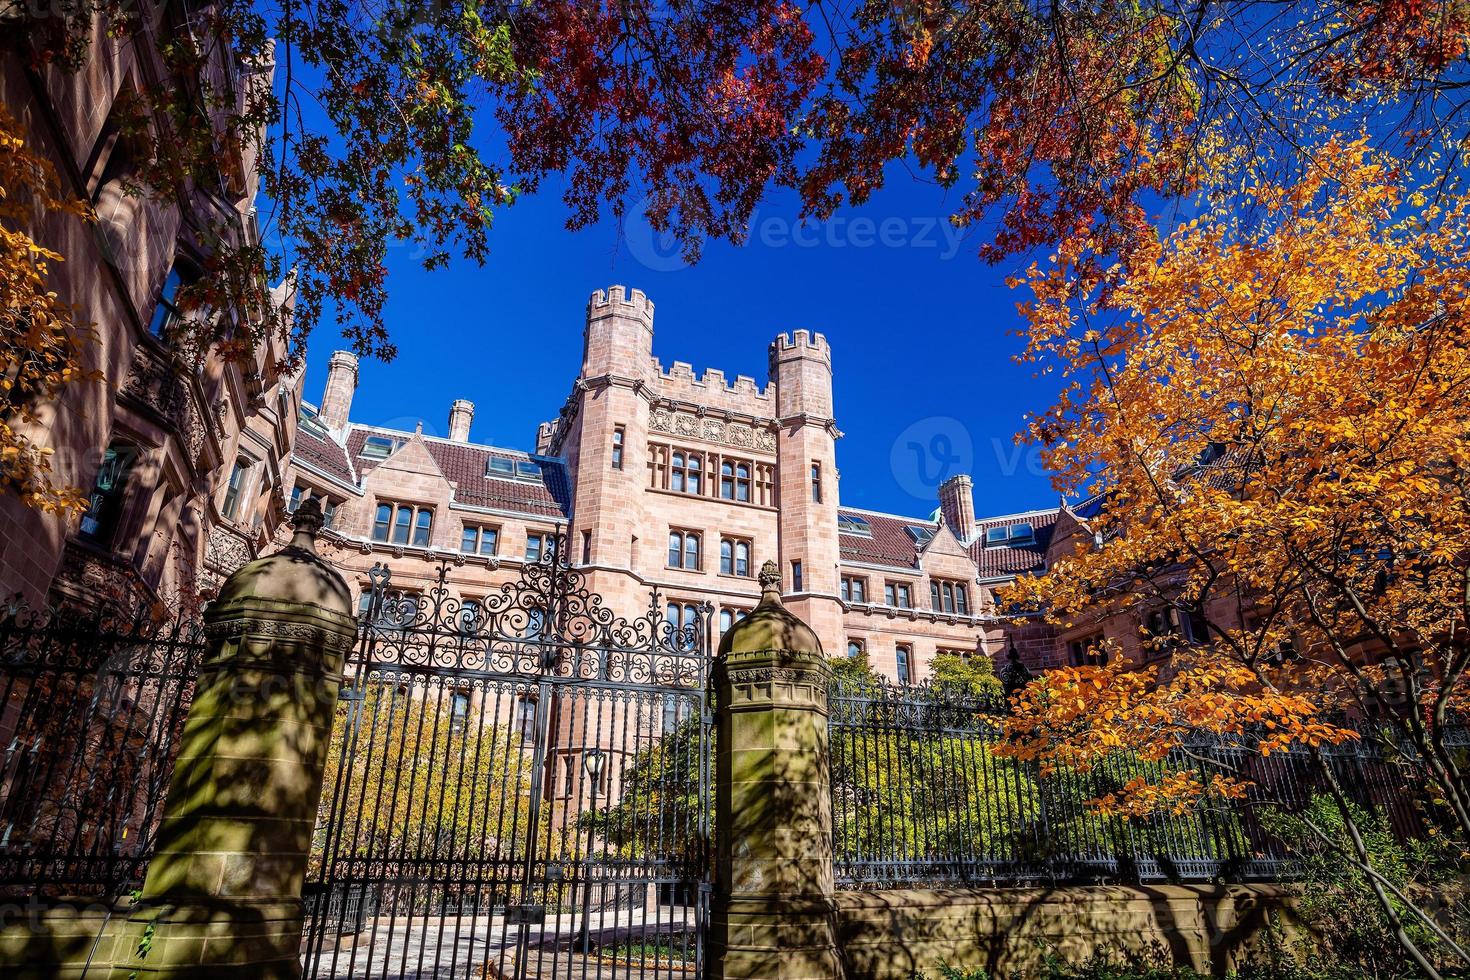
[222, 897]
[772, 916]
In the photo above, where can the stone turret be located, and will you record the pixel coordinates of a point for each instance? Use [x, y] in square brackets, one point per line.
[801, 369]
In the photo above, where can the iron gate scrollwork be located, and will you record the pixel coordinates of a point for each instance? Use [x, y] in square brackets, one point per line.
[517, 786]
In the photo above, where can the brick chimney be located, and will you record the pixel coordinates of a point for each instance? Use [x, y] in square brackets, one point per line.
[461, 414]
[337, 395]
[957, 503]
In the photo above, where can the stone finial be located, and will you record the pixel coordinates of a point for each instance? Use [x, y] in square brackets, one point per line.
[770, 578]
[308, 522]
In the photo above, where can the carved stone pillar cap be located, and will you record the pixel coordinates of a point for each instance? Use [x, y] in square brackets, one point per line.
[295, 574]
[770, 626]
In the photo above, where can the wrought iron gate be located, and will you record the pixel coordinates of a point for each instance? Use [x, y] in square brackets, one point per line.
[517, 786]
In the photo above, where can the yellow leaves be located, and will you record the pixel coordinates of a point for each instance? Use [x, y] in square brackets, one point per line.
[40, 341]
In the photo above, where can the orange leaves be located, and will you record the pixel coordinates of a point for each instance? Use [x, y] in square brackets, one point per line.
[41, 345]
[1275, 408]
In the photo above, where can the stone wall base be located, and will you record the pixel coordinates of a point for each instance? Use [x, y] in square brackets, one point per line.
[773, 939]
[891, 935]
[58, 940]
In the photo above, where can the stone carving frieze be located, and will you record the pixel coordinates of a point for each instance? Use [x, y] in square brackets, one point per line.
[226, 550]
[737, 435]
[279, 629]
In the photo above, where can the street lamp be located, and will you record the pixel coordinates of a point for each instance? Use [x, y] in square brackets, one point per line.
[592, 761]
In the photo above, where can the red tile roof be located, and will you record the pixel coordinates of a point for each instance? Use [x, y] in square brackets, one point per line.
[999, 560]
[324, 454]
[465, 465]
[891, 543]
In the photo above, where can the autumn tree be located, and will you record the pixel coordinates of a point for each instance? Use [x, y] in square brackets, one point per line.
[658, 810]
[409, 779]
[1268, 417]
[41, 342]
[1050, 123]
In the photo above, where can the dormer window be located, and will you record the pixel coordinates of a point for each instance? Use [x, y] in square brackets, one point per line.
[921, 534]
[1010, 535]
[378, 447]
[505, 468]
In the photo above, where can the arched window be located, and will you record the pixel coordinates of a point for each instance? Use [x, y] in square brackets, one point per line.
[735, 557]
[854, 648]
[382, 522]
[676, 473]
[742, 481]
[423, 527]
[401, 525]
[692, 481]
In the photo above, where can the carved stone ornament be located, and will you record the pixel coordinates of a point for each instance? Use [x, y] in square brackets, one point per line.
[278, 629]
[226, 550]
[738, 435]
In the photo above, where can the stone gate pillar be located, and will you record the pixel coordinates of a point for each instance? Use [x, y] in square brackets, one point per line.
[772, 916]
[223, 893]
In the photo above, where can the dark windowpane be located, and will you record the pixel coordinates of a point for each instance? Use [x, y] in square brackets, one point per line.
[381, 524]
[109, 491]
[401, 525]
[470, 542]
[423, 528]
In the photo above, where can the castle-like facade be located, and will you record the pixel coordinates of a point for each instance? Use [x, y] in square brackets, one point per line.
[661, 478]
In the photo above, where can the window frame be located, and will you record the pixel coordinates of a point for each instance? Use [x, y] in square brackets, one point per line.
[477, 533]
[688, 541]
[619, 437]
[235, 488]
[903, 654]
[731, 562]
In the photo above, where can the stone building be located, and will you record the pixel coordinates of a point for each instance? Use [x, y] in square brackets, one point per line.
[183, 455]
[661, 477]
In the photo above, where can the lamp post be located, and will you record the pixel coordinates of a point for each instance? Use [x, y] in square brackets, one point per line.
[592, 761]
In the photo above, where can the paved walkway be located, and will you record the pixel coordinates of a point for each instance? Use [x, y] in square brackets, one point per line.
[484, 948]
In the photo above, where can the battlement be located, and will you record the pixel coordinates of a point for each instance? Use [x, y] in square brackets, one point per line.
[620, 299]
[802, 340]
[713, 390]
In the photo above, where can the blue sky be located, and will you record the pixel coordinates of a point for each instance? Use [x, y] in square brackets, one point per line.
[921, 333]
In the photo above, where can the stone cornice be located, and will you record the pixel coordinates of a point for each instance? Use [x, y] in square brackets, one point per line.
[802, 419]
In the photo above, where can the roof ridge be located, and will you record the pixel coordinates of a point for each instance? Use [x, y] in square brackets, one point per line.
[1038, 512]
[443, 440]
[884, 513]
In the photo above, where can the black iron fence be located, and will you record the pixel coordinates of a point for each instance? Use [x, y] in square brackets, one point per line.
[91, 708]
[919, 796]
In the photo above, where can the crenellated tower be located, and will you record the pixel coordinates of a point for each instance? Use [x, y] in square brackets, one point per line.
[801, 369]
[607, 444]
